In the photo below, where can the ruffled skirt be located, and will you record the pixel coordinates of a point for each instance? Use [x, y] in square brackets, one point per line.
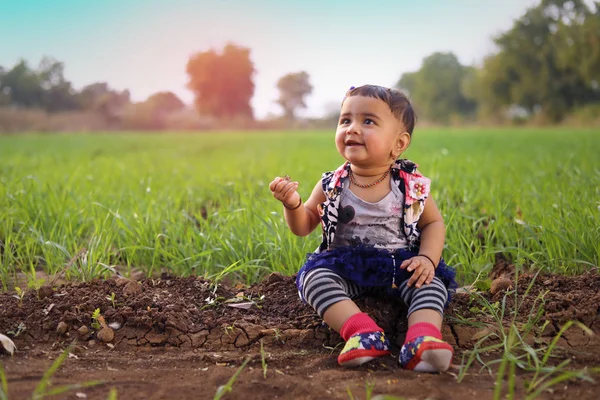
[372, 267]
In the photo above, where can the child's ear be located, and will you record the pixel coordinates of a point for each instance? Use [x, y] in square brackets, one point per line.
[401, 144]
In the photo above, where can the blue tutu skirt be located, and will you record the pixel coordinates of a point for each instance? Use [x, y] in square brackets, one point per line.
[372, 267]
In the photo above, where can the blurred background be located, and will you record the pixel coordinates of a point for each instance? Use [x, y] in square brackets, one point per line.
[68, 65]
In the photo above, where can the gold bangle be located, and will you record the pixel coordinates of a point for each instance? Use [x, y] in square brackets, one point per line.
[292, 209]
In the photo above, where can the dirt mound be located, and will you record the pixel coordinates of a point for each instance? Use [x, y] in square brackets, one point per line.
[182, 312]
[564, 298]
[193, 312]
[217, 324]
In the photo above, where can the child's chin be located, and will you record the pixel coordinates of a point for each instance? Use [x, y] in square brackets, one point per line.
[356, 155]
[356, 152]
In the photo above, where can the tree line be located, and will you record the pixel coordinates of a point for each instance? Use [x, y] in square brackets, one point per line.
[41, 98]
[33, 95]
[546, 68]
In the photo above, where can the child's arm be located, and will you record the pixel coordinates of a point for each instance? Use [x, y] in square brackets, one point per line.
[301, 217]
[433, 232]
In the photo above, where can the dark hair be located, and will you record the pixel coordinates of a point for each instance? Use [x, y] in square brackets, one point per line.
[395, 99]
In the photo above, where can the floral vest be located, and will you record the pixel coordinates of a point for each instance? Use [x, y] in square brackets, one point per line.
[413, 185]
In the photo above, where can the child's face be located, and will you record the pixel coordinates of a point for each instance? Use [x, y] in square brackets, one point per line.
[368, 134]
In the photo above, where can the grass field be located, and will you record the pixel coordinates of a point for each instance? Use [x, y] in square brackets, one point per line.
[200, 204]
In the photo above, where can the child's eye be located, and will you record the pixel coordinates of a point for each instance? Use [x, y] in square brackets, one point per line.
[369, 121]
[344, 121]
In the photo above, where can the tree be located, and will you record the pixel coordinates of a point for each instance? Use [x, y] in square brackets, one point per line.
[152, 113]
[548, 61]
[293, 87]
[57, 92]
[22, 85]
[437, 87]
[222, 82]
[578, 46]
[110, 104]
[165, 102]
[408, 82]
[45, 87]
[4, 91]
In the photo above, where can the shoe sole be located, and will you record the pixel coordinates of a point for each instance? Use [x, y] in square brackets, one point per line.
[439, 359]
[358, 359]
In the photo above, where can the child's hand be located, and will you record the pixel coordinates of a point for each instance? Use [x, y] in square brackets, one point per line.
[285, 191]
[424, 270]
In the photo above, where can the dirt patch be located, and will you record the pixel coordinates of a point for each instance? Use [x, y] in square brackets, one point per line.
[183, 337]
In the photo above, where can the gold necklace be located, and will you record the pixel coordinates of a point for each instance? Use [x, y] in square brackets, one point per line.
[368, 185]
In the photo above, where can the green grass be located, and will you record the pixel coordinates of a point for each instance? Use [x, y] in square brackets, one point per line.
[200, 204]
[509, 345]
[228, 387]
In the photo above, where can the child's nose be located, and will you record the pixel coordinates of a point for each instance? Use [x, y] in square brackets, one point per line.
[353, 128]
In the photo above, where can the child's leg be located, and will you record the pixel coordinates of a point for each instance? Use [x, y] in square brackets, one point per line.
[323, 289]
[337, 314]
[424, 350]
[426, 315]
[330, 295]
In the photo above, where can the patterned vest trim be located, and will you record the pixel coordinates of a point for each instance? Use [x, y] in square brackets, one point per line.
[413, 185]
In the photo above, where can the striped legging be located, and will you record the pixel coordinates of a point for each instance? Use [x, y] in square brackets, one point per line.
[322, 288]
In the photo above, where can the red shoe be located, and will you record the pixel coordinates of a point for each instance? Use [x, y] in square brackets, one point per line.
[426, 354]
[363, 347]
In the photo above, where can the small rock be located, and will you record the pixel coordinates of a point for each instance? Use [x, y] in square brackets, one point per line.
[62, 328]
[45, 291]
[132, 288]
[6, 344]
[91, 343]
[122, 281]
[83, 330]
[549, 331]
[500, 284]
[106, 335]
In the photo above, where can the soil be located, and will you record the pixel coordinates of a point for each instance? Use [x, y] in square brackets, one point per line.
[182, 338]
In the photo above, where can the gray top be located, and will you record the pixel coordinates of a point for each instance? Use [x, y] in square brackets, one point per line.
[374, 224]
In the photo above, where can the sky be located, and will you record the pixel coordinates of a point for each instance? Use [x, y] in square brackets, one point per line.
[144, 45]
